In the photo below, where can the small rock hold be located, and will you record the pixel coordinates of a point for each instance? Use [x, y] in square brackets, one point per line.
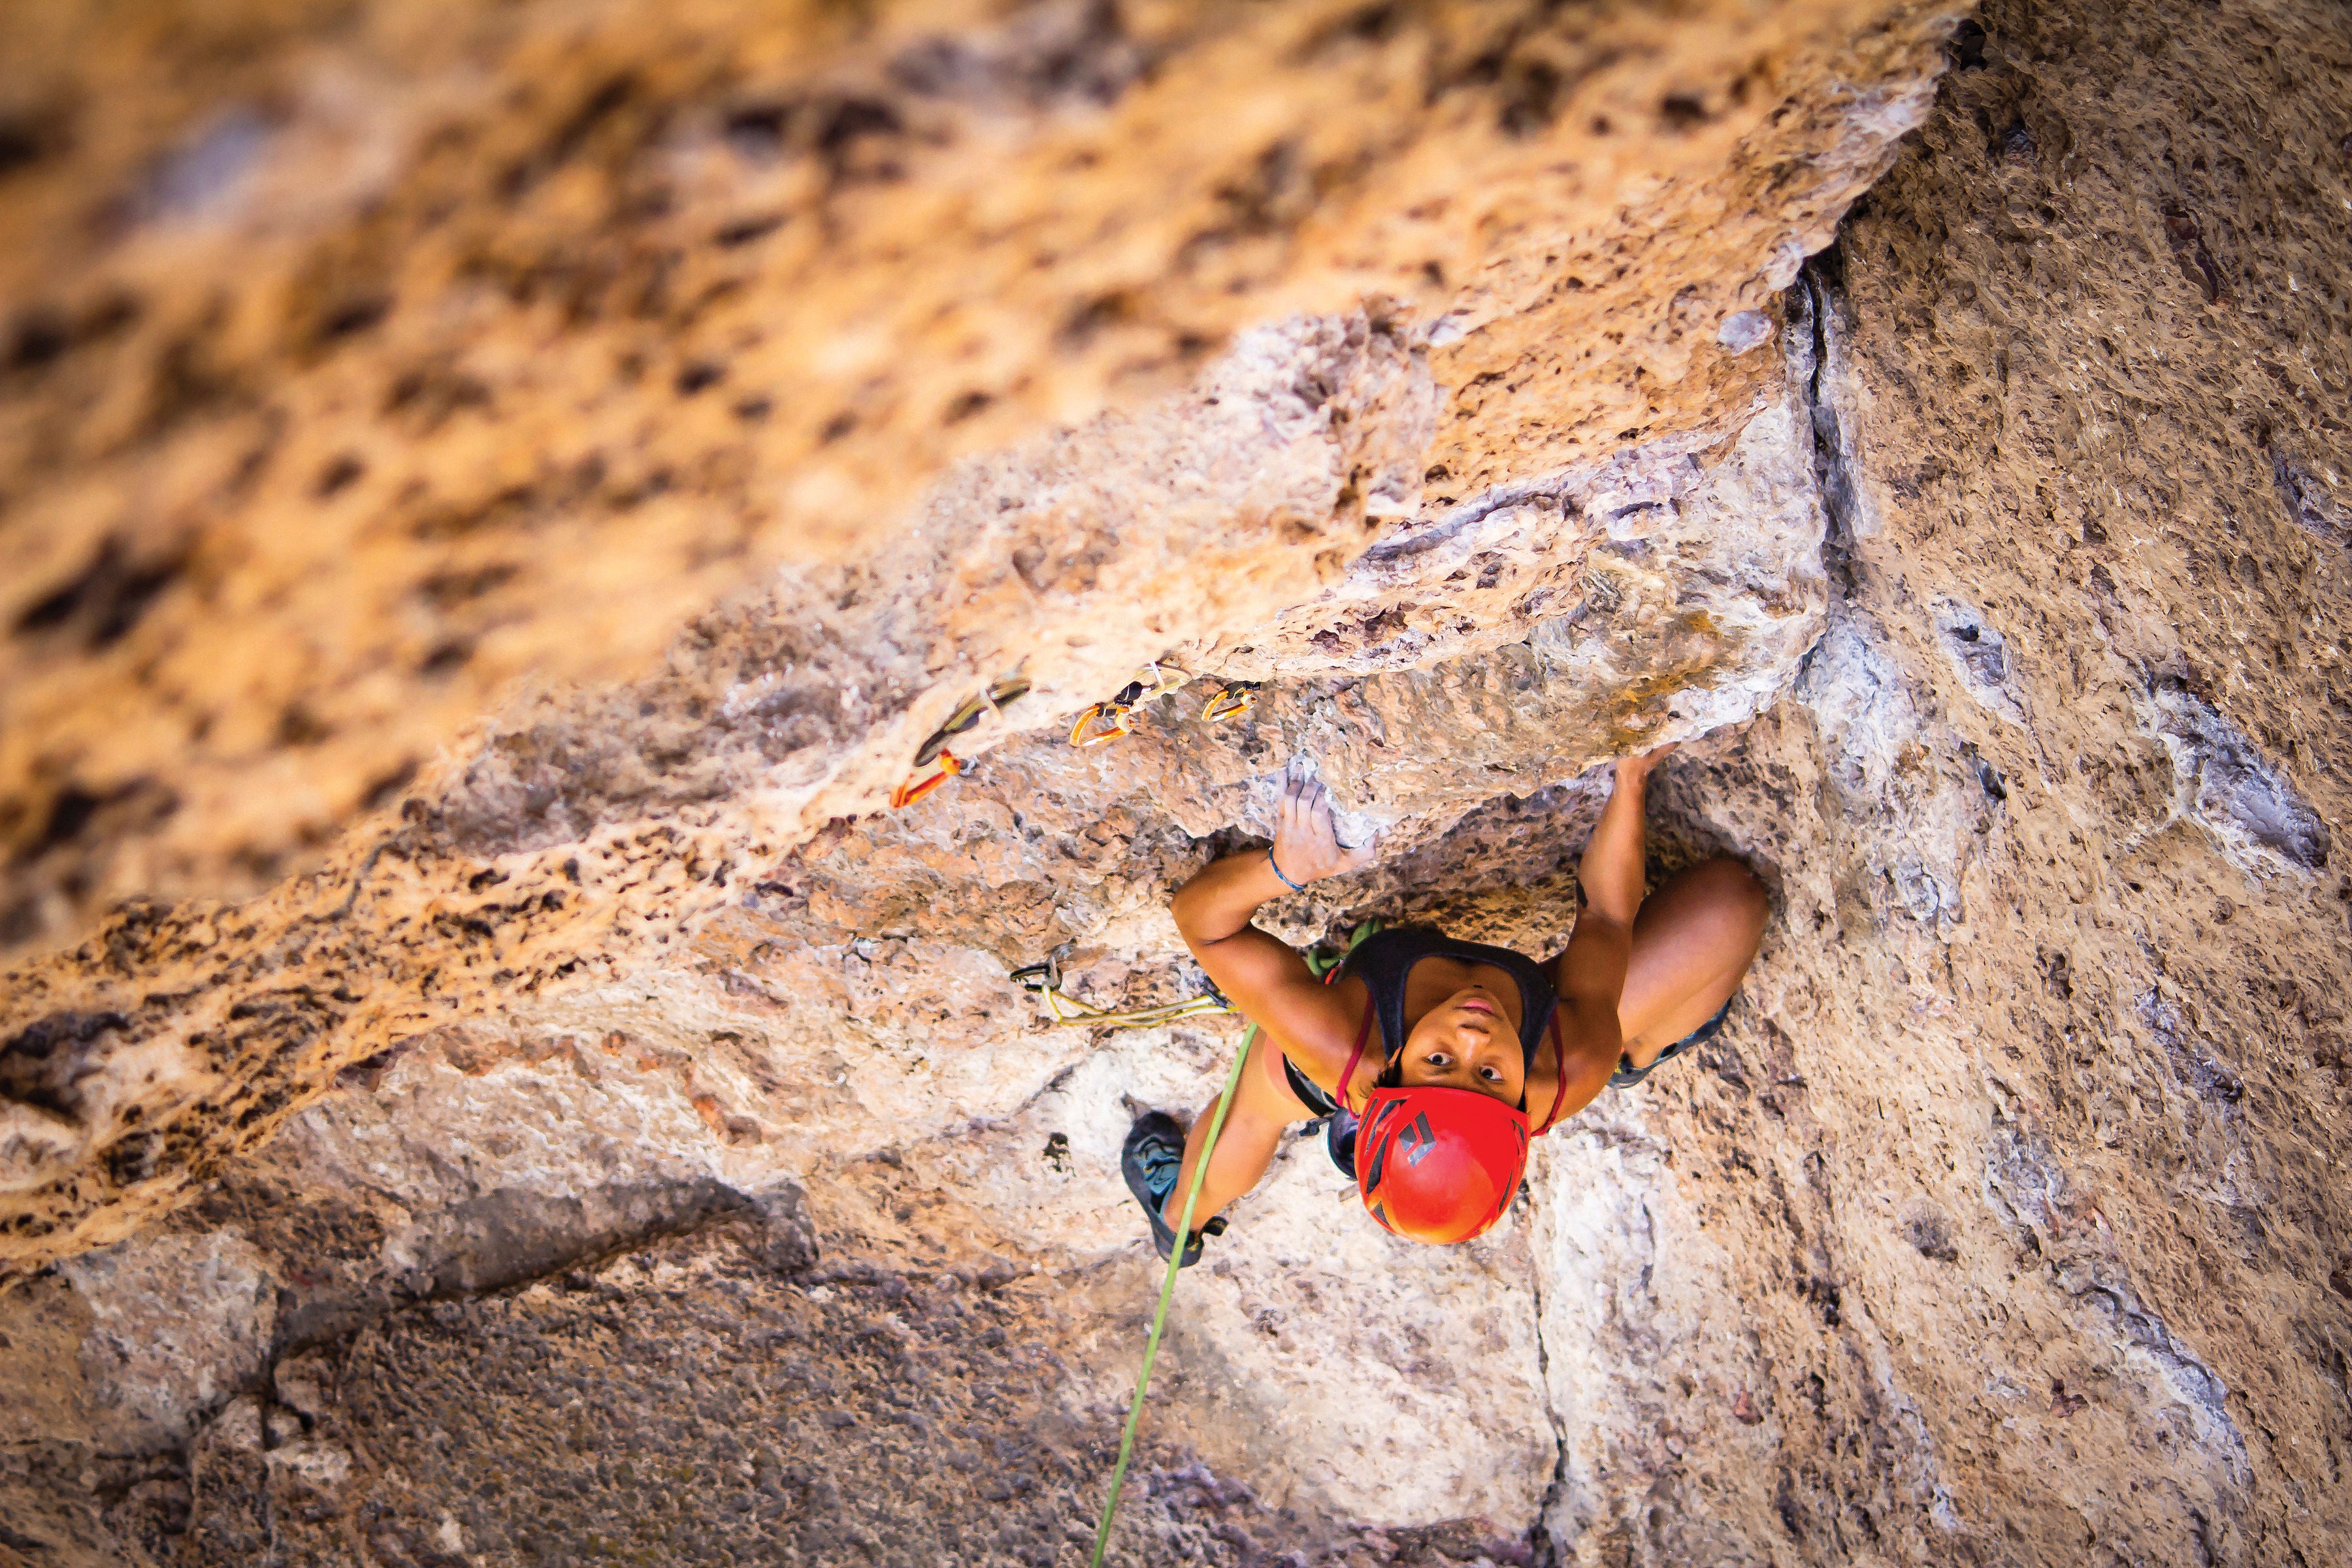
[2226, 780]
[1968, 46]
[2312, 505]
[1743, 330]
[1925, 1227]
[788, 1242]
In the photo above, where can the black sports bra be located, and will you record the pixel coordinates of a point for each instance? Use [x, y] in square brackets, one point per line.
[1385, 959]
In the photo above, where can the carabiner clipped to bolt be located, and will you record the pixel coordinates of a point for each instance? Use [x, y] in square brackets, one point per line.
[1233, 699]
[1038, 977]
[919, 785]
[1110, 718]
[1063, 1011]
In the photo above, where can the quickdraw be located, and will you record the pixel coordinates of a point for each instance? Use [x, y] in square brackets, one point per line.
[1233, 698]
[1065, 1011]
[934, 753]
[918, 784]
[996, 699]
[1107, 720]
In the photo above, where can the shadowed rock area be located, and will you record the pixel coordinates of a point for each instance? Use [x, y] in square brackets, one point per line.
[494, 501]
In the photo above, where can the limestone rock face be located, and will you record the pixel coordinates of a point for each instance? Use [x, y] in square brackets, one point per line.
[630, 1144]
[580, 830]
[365, 359]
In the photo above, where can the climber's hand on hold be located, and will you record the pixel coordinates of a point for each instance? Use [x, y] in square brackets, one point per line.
[1637, 770]
[1307, 846]
[1260, 975]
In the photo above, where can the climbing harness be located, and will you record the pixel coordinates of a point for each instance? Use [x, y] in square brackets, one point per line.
[1233, 699]
[1068, 1012]
[934, 763]
[1329, 968]
[1107, 720]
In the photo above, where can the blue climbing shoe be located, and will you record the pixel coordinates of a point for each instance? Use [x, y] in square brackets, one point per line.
[1627, 1075]
[1152, 1162]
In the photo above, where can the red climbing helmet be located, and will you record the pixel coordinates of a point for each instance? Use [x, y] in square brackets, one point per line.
[1439, 1166]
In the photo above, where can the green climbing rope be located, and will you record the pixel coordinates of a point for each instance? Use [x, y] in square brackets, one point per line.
[1323, 966]
[1167, 1293]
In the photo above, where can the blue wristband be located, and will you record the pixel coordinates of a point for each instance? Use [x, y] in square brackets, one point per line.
[1286, 882]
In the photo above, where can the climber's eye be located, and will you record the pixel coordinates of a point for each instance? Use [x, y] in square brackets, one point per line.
[1440, 1059]
[1491, 1074]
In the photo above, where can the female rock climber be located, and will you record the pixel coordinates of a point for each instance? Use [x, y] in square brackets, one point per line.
[1473, 1041]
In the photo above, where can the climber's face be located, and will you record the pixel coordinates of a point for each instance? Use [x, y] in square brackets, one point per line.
[1466, 1041]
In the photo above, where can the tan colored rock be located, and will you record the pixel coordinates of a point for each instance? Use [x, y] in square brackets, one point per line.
[581, 829]
[2022, 1170]
[389, 356]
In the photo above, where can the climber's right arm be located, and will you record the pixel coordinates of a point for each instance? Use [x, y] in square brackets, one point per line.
[1263, 976]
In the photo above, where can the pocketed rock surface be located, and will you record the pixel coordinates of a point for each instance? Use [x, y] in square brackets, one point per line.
[364, 358]
[638, 1151]
[576, 832]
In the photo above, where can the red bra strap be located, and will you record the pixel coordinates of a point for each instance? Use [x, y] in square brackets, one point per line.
[1559, 1063]
[1363, 1034]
